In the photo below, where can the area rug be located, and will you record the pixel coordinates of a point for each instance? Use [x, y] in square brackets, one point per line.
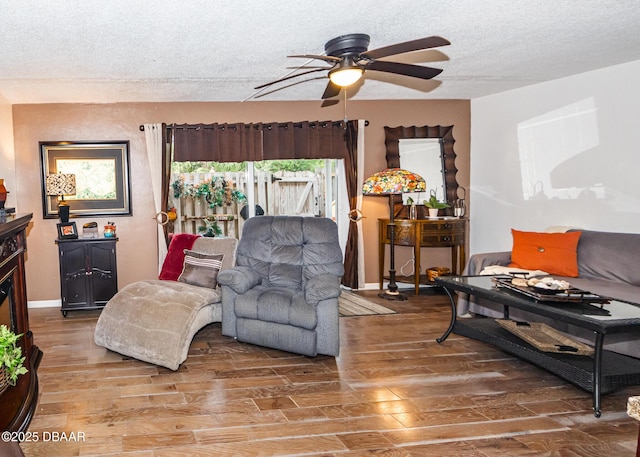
[351, 304]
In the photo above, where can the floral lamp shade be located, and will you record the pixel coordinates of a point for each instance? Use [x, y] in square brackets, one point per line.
[393, 181]
[61, 184]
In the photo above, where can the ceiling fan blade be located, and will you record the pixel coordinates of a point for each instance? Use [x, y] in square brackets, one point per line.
[331, 90]
[331, 59]
[407, 46]
[290, 77]
[415, 71]
[329, 102]
[261, 94]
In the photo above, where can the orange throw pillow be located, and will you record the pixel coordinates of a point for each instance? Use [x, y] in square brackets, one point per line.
[555, 253]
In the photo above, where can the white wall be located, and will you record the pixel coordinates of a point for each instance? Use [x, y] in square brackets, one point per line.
[564, 152]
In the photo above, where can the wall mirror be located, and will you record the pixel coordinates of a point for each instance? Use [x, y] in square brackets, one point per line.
[428, 151]
[423, 156]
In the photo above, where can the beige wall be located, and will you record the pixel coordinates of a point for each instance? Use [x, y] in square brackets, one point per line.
[7, 160]
[136, 246]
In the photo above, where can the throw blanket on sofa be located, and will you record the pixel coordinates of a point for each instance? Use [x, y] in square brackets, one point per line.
[512, 271]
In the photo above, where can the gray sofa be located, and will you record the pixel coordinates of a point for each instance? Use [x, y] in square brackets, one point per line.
[608, 265]
[283, 291]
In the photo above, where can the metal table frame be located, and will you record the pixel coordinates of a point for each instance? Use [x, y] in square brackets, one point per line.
[483, 288]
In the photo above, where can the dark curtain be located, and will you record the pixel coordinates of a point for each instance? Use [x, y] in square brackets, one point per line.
[217, 142]
[304, 140]
[278, 140]
[350, 278]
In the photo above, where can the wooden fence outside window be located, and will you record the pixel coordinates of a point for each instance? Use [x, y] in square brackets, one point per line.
[279, 193]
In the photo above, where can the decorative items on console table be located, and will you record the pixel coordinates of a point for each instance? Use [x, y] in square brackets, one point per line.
[67, 230]
[392, 182]
[110, 230]
[434, 205]
[459, 206]
[61, 184]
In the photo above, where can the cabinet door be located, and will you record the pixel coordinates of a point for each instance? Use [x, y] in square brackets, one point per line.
[102, 271]
[73, 275]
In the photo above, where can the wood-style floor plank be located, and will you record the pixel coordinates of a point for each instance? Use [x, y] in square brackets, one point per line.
[393, 392]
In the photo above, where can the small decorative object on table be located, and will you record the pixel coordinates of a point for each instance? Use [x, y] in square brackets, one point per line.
[459, 208]
[110, 230]
[90, 230]
[59, 185]
[67, 230]
[11, 358]
[3, 194]
[434, 205]
[434, 272]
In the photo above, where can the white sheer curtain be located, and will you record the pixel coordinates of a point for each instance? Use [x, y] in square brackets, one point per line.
[343, 209]
[361, 178]
[153, 137]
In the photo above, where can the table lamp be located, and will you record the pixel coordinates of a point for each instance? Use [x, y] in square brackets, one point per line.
[61, 184]
[391, 182]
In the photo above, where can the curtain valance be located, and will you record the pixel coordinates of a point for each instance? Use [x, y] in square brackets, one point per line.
[260, 141]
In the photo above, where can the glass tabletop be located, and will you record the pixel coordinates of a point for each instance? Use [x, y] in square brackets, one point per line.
[613, 316]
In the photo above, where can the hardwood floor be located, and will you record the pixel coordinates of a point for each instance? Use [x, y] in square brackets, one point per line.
[393, 391]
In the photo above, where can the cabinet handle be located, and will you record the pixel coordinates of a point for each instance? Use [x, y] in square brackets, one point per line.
[89, 273]
[446, 238]
[447, 226]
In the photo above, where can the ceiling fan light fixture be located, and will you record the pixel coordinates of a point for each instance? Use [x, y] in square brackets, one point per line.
[344, 77]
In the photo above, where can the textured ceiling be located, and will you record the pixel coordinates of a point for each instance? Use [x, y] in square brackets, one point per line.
[96, 51]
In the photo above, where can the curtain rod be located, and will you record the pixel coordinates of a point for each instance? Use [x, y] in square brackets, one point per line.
[281, 125]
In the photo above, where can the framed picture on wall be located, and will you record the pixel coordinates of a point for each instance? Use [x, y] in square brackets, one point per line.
[101, 171]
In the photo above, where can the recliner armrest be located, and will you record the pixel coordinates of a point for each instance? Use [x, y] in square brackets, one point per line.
[321, 287]
[239, 278]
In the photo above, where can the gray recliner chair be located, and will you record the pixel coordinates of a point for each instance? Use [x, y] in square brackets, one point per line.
[283, 291]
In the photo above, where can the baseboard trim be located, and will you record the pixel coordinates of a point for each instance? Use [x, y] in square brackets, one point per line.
[44, 304]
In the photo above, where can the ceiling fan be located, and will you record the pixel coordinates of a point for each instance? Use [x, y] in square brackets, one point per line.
[349, 58]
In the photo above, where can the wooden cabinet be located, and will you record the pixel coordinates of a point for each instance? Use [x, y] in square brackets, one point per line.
[424, 233]
[88, 273]
[17, 403]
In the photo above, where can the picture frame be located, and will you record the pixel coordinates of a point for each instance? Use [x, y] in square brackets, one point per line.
[67, 230]
[101, 170]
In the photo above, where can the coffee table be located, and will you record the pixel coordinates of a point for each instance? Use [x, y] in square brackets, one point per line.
[602, 373]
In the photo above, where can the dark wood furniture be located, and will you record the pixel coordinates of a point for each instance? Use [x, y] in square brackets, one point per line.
[423, 233]
[88, 272]
[18, 403]
[605, 372]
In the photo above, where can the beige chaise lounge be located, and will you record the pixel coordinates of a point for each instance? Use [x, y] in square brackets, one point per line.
[155, 320]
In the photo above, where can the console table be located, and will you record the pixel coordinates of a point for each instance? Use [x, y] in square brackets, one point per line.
[605, 372]
[424, 233]
[88, 273]
[18, 402]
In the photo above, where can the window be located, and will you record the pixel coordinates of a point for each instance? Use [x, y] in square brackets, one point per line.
[214, 199]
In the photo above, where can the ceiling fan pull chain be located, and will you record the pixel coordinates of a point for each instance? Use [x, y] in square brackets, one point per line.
[346, 119]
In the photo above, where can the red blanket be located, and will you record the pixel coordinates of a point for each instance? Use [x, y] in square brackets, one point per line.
[172, 266]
